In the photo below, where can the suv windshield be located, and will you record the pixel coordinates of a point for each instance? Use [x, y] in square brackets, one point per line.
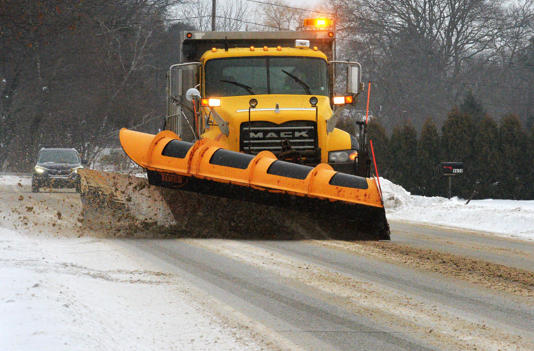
[266, 75]
[58, 156]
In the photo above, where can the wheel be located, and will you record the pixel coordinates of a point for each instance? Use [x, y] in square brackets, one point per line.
[35, 187]
[78, 187]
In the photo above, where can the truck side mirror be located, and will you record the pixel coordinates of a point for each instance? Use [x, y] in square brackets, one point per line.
[353, 78]
[192, 93]
[181, 77]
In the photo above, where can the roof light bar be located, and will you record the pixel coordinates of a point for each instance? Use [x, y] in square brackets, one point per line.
[318, 23]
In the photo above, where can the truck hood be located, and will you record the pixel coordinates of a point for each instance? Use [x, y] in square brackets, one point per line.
[274, 108]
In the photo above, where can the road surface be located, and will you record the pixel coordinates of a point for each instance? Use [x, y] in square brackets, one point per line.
[430, 288]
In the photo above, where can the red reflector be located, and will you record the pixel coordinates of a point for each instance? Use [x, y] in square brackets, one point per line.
[189, 35]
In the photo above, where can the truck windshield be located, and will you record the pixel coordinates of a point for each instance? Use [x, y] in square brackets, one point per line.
[266, 75]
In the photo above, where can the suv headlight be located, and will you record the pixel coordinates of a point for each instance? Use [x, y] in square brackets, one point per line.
[75, 169]
[39, 169]
[342, 156]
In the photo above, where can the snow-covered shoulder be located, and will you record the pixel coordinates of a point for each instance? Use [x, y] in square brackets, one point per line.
[60, 293]
[511, 218]
[20, 180]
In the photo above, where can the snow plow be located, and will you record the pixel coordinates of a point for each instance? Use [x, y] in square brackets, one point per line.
[250, 146]
[202, 190]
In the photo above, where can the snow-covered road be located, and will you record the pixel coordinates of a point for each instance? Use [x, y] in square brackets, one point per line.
[61, 293]
[62, 288]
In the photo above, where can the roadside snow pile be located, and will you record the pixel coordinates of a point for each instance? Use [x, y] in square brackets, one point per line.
[91, 294]
[509, 218]
[15, 180]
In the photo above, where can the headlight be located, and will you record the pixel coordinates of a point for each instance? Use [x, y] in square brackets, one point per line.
[75, 169]
[39, 169]
[342, 156]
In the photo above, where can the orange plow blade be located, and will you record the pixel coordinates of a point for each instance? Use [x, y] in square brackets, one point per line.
[317, 200]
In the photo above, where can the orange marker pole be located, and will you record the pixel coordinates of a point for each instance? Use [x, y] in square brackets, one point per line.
[197, 128]
[368, 99]
[376, 168]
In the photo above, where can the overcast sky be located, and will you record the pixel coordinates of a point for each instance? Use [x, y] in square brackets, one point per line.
[305, 4]
[296, 3]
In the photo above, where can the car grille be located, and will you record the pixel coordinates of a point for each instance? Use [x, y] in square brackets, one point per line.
[260, 135]
[63, 172]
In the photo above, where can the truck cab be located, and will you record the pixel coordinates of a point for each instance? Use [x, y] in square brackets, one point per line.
[265, 91]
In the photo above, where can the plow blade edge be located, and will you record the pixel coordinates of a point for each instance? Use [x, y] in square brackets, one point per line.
[214, 192]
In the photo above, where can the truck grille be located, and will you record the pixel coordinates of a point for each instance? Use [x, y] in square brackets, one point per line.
[261, 135]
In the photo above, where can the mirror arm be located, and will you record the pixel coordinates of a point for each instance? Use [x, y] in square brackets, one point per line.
[221, 123]
[332, 121]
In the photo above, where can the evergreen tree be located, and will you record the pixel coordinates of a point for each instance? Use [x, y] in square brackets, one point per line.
[457, 145]
[377, 134]
[403, 151]
[515, 164]
[486, 157]
[530, 165]
[428, 155]
[471, 106]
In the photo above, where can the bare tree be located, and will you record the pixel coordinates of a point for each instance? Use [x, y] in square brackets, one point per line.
[425, 54]
[72, 73]
[279, 15]
[231, 15]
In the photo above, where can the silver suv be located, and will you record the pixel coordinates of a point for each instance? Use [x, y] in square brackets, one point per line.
[57, 168]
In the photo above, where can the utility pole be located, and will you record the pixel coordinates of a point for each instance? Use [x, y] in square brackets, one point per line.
[213, 14]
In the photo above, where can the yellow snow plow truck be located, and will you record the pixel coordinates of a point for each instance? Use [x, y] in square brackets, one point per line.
[250, 147]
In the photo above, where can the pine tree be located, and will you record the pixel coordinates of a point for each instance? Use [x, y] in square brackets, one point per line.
[403, 151]
[486, 157]
[471, 106]
[515, 163]
[428, 155]
[377, 134]
[457, 145]
[530, 165]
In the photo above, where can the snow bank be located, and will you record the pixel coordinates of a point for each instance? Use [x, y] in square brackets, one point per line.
[509, 218]
[15, 180]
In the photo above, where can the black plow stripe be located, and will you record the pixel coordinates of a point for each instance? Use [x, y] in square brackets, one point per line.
[289, 170]
[176, 148]
[233, 159]
[348, 181]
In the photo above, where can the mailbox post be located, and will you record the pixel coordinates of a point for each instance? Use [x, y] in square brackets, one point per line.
[451, 169]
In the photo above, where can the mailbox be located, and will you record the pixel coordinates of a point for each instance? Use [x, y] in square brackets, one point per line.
[451, 168]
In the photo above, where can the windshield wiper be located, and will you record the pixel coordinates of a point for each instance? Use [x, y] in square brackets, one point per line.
[300, 81]
[244, 86]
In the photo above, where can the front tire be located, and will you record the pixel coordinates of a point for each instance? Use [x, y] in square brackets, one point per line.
[35, 187]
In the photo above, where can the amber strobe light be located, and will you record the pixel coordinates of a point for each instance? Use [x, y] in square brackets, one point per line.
[318, 22]
[211, 102]
[342, 100]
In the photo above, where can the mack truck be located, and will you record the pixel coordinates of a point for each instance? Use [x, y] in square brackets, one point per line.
[250, 147]
[275, 91]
